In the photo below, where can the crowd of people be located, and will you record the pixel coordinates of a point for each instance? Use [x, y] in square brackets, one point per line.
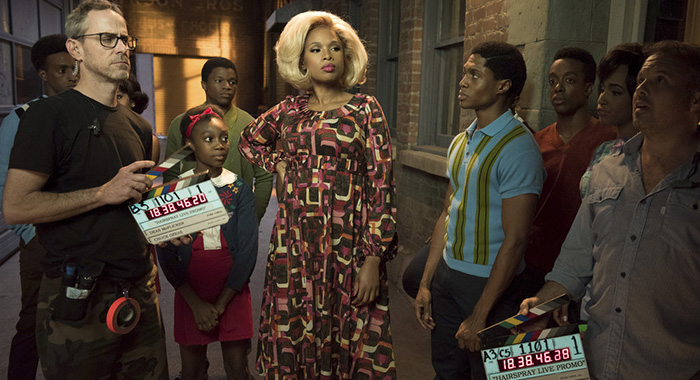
[602, 209]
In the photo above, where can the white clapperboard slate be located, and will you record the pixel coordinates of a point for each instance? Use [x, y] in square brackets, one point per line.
[549, 354]
[179, 207]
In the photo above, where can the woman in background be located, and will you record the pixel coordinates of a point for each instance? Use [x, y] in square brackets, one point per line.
[618, 79]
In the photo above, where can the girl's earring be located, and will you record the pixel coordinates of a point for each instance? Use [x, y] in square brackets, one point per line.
[76, 68]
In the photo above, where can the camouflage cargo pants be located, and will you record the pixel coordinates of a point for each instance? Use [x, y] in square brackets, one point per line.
[87, 349]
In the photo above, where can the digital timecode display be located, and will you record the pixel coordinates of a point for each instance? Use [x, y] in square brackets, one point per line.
[531, 360]
[179, 205]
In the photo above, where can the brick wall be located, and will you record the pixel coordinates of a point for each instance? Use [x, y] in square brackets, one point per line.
[409, 73]
[369, 33]
[486, 20]
[421, 198]
[419, 195]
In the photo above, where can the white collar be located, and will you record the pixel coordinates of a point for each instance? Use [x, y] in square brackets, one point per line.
[226, 177]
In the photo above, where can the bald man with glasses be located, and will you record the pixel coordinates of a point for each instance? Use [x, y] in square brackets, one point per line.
[76, 164]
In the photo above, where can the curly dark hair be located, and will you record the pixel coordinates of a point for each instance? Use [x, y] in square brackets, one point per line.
[582, 56]
[45, 46]
[213, 63]
[132, 88]
[506, 62]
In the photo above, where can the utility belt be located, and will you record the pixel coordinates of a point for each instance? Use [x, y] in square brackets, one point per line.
[79, 280]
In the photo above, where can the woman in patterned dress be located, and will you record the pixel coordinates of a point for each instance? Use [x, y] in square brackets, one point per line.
[325, 302]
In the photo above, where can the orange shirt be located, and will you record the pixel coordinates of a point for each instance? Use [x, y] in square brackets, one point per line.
[565, 163]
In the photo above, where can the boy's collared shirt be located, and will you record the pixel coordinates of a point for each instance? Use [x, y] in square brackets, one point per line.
[485, 166]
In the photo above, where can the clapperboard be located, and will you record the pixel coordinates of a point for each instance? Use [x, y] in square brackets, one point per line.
[549, 354]
[179, 207]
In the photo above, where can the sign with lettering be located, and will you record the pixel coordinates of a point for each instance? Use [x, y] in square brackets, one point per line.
[200, 28]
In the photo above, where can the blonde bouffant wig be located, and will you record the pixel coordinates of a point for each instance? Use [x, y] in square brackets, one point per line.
[290, 49]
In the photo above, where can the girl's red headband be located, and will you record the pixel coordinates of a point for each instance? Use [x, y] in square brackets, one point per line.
[195, 118]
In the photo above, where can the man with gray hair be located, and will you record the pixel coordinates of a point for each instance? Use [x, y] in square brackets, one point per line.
[75, 166]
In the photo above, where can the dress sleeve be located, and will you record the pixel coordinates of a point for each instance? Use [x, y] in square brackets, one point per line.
[379, 211]
[170, 262]
[241, 234]
[263, 190]
[258, 142]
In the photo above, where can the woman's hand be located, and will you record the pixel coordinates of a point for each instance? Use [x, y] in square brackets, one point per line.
[366, 286]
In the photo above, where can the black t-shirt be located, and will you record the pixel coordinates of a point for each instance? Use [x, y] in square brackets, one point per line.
[54, 137]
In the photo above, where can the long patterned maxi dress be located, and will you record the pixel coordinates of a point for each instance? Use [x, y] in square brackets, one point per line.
[338, 208]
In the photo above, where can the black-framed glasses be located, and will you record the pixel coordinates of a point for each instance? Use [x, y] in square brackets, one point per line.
[110, 40]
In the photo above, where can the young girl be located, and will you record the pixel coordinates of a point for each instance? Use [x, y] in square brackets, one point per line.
[210, 276]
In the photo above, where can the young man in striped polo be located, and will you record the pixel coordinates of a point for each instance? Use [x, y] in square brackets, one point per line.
[496, 175]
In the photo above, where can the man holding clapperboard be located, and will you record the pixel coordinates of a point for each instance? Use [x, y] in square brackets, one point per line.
[636, 237]
[76, 165]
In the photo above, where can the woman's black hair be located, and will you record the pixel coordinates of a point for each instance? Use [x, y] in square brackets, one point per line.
[630, 54]
[132, 88]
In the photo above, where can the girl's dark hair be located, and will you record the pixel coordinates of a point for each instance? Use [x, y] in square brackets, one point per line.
[185, 122]
[132, 88]
[630, 54]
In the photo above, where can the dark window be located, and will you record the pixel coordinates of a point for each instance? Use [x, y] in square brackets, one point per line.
[665, 20]
[26, 78]
[388, 59]
[443, 58]
[23, 21]
[51, 19]
[6, 84]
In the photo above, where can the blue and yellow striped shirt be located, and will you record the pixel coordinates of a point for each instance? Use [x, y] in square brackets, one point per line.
[485, 166]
